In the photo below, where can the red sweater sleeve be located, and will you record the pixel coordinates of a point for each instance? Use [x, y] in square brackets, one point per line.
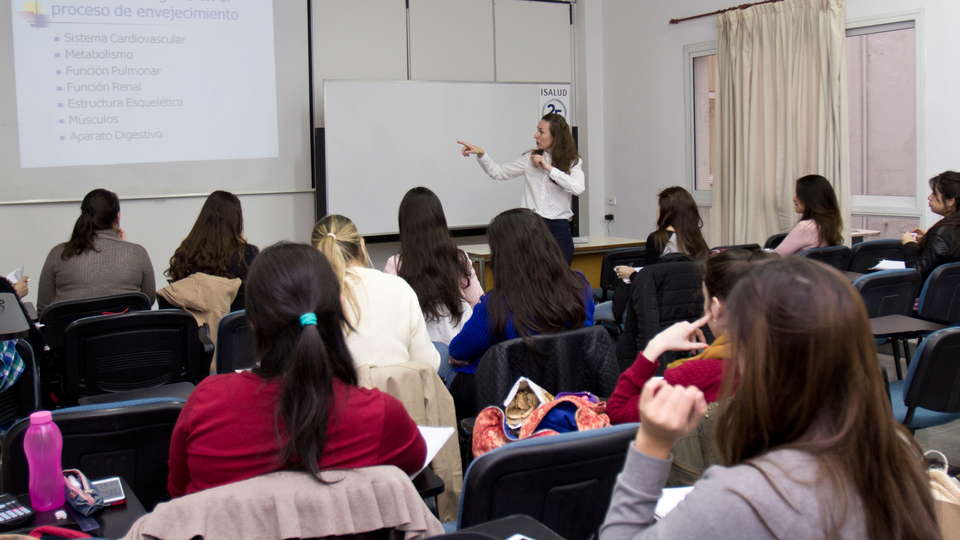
[179, 475]
[623, 406]
[401, 443]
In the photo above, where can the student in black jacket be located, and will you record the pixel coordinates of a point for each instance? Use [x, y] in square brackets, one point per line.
[940, 244]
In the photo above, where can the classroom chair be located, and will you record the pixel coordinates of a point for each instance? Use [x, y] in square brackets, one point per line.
[748, 247]
[580, 360]
[234, 343]
[629, 256]
[928, 397]
[889, 292]
[774, 241]
[563, 481]
[56, 317]
[120, 353]
[866, 255]
[835, 256]
[130, 439]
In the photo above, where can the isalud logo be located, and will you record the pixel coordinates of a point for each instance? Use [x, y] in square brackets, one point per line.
[33, 14]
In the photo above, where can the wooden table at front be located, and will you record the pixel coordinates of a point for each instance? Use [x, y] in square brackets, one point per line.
[587, 257]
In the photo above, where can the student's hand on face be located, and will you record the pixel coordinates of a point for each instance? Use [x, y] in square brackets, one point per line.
[682, 336]
[21, 287]
[123, 235]
[470, 149]
[540, 161]
[667, 413]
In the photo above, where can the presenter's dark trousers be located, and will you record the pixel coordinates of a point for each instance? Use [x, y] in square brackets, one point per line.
[560, 229]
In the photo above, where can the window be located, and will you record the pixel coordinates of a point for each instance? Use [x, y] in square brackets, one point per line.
[701, 84]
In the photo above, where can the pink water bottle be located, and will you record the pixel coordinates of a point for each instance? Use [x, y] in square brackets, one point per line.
[43, 444]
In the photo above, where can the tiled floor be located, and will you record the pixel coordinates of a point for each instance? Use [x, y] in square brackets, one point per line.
[944, 438]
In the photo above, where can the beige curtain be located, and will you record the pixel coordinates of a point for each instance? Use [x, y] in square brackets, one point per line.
[781, 114]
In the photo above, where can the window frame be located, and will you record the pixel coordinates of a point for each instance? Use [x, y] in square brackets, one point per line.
[888, 205]
[691, 52]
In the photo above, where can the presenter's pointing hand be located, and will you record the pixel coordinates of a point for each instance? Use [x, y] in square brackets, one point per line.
[471, 149]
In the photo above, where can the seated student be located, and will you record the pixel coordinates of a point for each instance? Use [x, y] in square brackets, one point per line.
[809, 444]
[941, 244]
[678, 234]
[534, 292]
[820, 222]
[386, 325]
[216, 244]
[21, 289]
[300, 408]
[98, 260]
[705, 370]
[440, 273]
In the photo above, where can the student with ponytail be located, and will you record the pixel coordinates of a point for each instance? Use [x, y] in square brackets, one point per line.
[300, 408]
[386, 325]
[98, 260]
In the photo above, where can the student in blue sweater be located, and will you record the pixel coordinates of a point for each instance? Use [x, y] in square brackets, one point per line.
[534, 292]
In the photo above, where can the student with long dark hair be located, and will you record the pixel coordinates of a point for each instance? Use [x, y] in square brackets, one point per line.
[437, 270]
[386, 325]
[820, 222]
[705, 370]
[553, 172]
[808, 441]
[534, 292]
[97, 260]
[300, 408]
[678, 230]
[216, 244]
[941, 244]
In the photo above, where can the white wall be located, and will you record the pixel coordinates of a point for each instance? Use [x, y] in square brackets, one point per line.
[643, 100]
[159, 225]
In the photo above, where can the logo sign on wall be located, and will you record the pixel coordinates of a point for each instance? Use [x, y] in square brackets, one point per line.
[555, 99]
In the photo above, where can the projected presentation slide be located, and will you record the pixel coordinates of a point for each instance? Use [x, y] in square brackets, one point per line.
[103, 82]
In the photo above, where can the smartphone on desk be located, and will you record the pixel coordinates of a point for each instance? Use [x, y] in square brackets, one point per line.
[111, 490]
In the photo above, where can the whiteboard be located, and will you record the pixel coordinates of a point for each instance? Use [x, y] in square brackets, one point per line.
[384, 137]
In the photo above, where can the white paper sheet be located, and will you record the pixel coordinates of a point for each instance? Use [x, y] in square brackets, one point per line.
[435, 437]
[15, 276]
[885, 264]
[669, 500]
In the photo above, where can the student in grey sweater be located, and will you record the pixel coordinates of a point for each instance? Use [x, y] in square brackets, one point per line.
[809, 441]
[98, 260]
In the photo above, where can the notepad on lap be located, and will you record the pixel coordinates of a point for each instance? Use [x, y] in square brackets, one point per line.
[669, 500]
[885, 264]
[435, 438]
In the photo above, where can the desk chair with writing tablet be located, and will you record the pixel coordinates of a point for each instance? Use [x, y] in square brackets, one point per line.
[866, 255]
[928, 397]
[835, 256]
[774, 241]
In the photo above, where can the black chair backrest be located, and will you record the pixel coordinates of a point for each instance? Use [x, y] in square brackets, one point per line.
[580, 360]
[57, 316]
[563, 481]
[129, 439]
[660, 295]
[240, 301]
[234, 343]
[774, 241]
[866, 255]
[890, 292]
[748, 247]
[933, 381]
[23, 397]
[835, 256]
[940, 296]
[116, 353]
[629, 256]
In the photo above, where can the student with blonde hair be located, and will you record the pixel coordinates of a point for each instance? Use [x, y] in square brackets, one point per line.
[386, 325]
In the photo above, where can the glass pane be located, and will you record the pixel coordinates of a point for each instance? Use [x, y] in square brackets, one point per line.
[881, 93]
[704, 86]
[889, 227]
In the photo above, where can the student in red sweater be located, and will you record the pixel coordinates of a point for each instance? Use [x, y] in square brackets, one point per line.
[705, 371]
[300, 408]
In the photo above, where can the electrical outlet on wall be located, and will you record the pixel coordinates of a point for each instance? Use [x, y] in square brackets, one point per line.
[608, 217]
[612, 201]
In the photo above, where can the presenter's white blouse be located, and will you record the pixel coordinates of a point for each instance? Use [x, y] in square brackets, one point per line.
[547, 194]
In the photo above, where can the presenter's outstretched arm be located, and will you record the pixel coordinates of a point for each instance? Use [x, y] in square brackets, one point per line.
[471, 149]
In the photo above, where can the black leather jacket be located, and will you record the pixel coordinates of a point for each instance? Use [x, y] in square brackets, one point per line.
[936, 251]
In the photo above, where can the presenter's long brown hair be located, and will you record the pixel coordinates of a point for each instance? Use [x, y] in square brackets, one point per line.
[563, 153]
[216, 237]
[808, 380]
[679, 210]
[533, 285]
